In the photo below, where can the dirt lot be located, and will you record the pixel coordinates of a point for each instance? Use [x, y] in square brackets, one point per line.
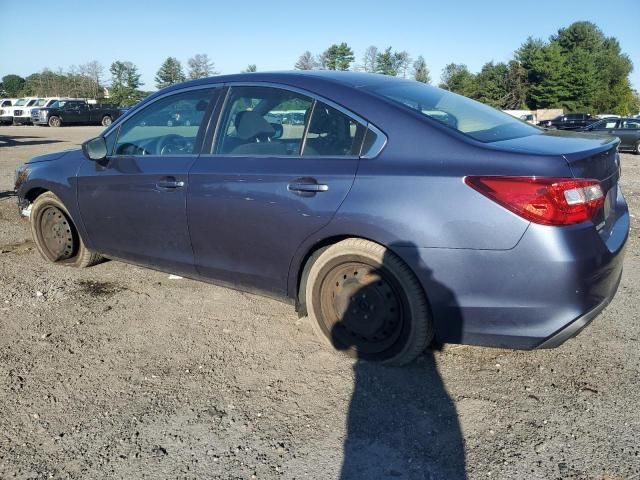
[120, 372]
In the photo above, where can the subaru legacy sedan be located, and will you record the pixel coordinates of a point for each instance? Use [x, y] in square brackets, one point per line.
[392, 214]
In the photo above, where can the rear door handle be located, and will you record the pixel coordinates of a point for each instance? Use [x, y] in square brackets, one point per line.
[170, 183]
[307, 187]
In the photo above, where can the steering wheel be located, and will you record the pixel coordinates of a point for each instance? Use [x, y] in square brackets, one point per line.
[171, 144]
[132, 149]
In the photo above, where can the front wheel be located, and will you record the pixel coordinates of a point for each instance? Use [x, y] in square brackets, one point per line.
[366, 302]
[637, 149]
[55, 235]
[55, 122]
[106, 121]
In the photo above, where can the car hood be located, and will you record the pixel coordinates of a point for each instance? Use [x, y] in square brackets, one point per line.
[48, 157]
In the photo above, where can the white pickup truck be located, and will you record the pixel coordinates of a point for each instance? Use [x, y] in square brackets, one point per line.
[22, 110]
[6, 112]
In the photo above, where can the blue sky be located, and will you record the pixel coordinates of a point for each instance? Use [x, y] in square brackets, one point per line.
[272, 34]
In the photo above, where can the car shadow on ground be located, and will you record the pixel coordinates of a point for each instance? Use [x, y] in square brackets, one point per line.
[401, 422]
[6, 141]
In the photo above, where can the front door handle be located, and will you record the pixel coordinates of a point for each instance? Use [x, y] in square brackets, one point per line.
[307, 187]
[170, 183]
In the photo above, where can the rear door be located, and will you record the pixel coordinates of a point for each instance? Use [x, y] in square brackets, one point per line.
[629, 133]
[604, 126]
[133, 205]
[280, 167]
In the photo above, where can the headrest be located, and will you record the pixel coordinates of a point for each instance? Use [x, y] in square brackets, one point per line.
[249, 125]
[321, 121]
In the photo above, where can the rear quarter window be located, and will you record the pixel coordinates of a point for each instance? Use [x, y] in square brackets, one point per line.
[459, 113]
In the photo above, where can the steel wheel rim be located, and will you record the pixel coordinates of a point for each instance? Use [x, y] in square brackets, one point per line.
[106, 121]
[361, 308]
[56, 233]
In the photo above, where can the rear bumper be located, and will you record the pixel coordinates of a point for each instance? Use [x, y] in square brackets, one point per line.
[536, 295]
[575, 327]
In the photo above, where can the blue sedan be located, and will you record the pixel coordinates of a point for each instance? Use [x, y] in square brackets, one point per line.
[390, 212]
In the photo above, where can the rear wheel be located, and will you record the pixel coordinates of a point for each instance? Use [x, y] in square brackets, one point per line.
[56, 236]
[55, 122]
[366, 302]
[106, 121]
[637, 149]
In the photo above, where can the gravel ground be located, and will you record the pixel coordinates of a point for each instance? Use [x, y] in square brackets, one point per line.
[121, 372]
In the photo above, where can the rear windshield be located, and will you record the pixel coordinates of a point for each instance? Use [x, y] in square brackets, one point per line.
[467, 116]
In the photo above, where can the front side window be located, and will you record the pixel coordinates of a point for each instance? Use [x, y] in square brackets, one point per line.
[263, 121]
[459, 113]
[168, 126]
[333, 133]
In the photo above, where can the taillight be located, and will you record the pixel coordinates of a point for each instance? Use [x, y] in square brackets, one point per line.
[545, 200]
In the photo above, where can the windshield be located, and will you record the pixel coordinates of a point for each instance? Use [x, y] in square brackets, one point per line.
[20, 102]
[467, 116]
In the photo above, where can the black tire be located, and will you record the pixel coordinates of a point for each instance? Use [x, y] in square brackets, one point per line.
[54, 122]
[106, 121]
[55, 235]
[366, 302]
[636, 150]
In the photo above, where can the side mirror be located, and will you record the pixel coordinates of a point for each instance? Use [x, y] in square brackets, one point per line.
[95, 149]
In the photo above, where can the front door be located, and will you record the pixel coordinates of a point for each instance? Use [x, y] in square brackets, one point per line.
[629, 133]
[265, 189]
[133, 204]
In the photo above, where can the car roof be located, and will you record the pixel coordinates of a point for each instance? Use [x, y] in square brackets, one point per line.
[352, 79]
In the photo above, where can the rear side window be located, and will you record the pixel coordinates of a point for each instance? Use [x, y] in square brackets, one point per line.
[631, 124]
[263, 121]
[467, 116]
[332, 133]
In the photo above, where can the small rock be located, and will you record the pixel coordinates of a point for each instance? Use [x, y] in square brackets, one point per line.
[45, 335]
[175, 277]
[39, 293]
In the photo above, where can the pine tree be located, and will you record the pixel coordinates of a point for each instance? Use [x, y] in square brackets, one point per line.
[170, 73]
[338, 57]
[420, 70]
[125, 83]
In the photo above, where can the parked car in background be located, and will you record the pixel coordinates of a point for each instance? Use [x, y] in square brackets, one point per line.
[570, 121]
[22, 110]
[626, 129]
[529, 118]
[608, 115]
[45, 103]
[395, 213]
[66, 112]
[6, 113]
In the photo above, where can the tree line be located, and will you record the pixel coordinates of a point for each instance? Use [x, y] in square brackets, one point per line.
[577, 69]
